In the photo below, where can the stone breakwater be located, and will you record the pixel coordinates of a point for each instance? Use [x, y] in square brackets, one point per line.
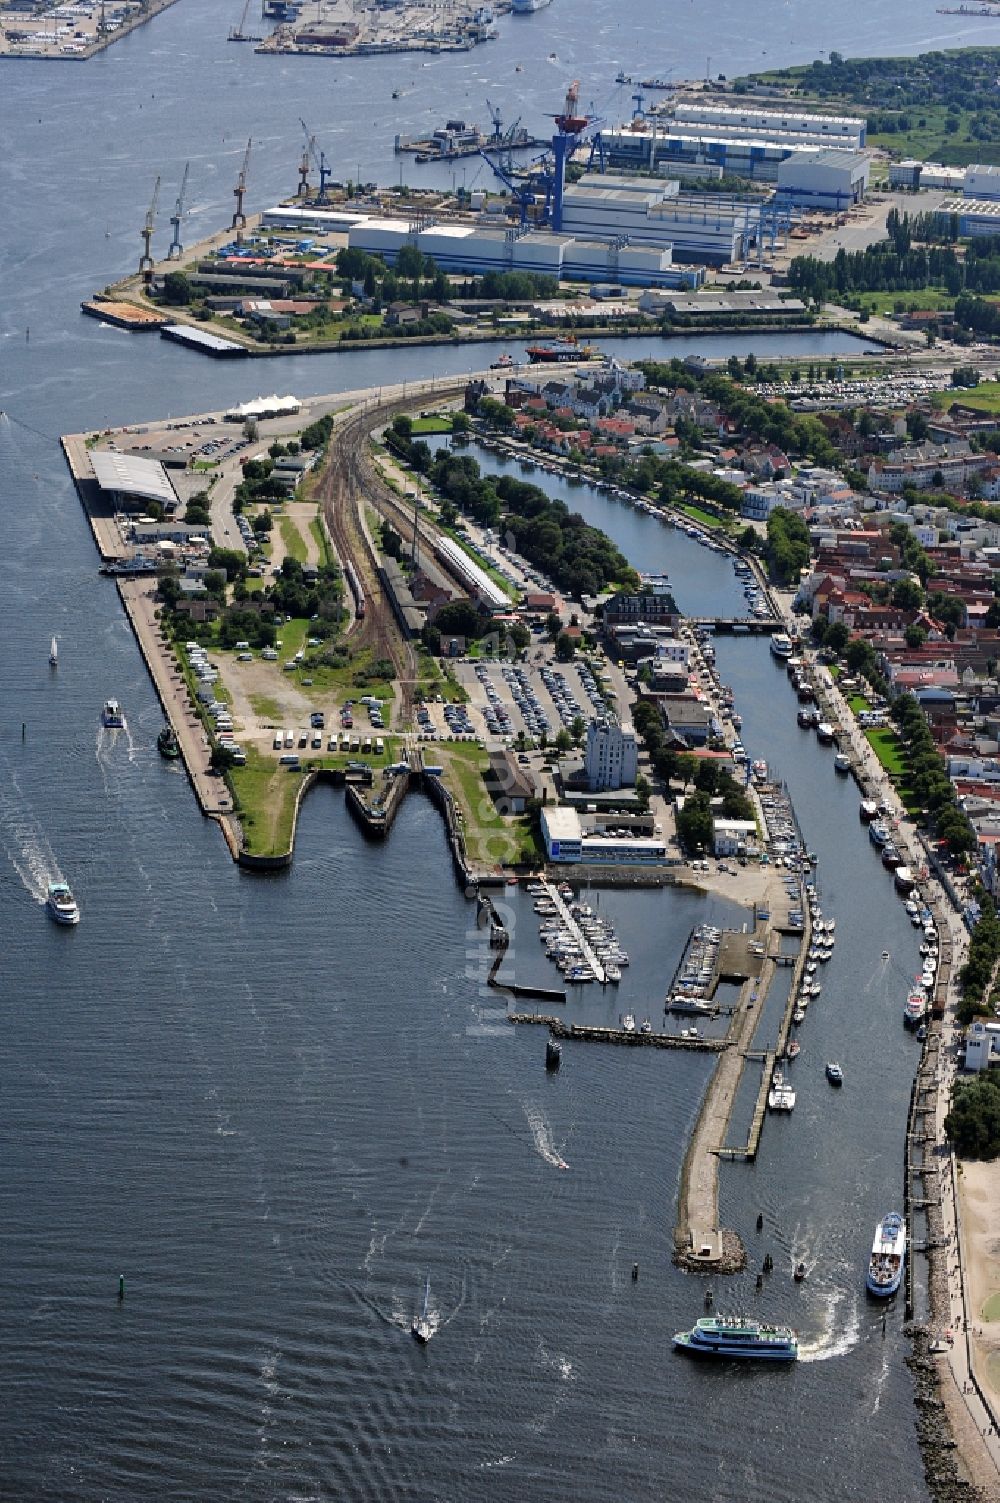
[946, 1478]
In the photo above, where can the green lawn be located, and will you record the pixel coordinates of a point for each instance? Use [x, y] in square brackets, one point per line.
[438, 423]
[265, 708]
[887, 748]
[295, 543]
[697, 515]
[318, 530]
[490, 839]
[885, 302]
[858, 703]
[983, 398]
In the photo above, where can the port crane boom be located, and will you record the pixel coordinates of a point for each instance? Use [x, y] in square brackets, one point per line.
[239, 223]
[146, 235]
[176, 249]
[319, 158]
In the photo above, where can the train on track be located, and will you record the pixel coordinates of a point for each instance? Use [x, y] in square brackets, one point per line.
[357, 590]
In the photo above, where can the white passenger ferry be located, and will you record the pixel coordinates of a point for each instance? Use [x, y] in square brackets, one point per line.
[738, 1336]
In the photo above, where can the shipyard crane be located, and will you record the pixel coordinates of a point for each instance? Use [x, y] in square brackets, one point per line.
[319, 159]
[176, 249]
[146, 235]
[496, 120]
[239, 223]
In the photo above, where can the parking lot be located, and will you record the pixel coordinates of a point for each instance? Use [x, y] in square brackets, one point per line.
[536, 699]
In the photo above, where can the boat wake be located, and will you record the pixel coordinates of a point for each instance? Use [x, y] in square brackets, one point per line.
[840, 1333]
[541, 1134]
[25, 844]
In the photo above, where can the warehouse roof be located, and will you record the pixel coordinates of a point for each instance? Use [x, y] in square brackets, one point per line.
[146, 479]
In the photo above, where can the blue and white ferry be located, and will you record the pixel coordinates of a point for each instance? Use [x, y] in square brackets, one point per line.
[885, 1267]
[738, 1336]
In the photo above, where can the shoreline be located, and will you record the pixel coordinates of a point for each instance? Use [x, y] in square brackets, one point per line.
[93, 49]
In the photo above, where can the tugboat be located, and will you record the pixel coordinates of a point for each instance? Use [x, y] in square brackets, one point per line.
[167, 745]
[800, 1272]
[553, 1054]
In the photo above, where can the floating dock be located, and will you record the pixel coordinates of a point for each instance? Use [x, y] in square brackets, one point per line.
[566, 918]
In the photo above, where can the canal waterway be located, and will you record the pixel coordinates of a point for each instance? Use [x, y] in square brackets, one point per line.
[278, 1105]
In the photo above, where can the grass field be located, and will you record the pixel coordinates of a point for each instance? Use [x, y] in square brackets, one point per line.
[982, 398]
[887, 748]
[318, 530]
[295, 543]
[910, 302]
[697, 515]
[490, 839]
[436, 423]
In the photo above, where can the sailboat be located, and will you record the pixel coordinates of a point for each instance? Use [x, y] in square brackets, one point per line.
[54, 654]
[422, 1328]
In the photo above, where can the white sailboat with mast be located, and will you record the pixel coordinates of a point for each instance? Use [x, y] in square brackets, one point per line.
[54, 654]
[422, 1328]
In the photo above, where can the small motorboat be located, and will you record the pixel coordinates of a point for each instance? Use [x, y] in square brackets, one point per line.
[794, 1049]
[553, 1054]
[54, 654]
[800, 1272]
[61, 904]
[834, 1073]
[167, 745]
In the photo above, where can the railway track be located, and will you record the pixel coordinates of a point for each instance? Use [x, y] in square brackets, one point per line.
[348, 480]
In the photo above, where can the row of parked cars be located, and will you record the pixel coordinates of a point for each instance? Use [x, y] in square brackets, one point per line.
[217, 710]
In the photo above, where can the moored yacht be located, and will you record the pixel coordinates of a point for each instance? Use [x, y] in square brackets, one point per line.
[842, 762]
[738, 1336]
[781, 645]
[61, 903]
[914, 1007]
[824, 733]
[885, 1267]
[867, 811]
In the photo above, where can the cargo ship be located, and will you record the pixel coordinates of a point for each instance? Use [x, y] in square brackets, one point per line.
[559, 351]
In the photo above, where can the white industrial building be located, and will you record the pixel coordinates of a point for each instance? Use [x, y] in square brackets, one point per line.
[667, 147]
[976, 216]
[911, 173]
[476, 580]
[835, 130]
[566, 841]
[982, 181]
[715, 229]
[130, 481]
[824, 179]
[611, 757]
[474, 249]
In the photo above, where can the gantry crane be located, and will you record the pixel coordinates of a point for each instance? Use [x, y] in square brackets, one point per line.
[239, 223]
[146, 235]
[176, 249]
[312, 153]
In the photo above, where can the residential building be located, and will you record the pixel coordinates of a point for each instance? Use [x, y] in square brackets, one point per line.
[611, 755]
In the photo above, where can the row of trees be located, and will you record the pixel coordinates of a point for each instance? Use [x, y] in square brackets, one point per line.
[976, 975]
[787, 548]
[579, 558]
[973, 1123]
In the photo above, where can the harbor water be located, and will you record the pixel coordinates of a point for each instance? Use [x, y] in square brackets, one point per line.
[277, 1106]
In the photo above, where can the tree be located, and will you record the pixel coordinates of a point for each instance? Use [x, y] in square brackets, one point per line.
[519, 635]
[907, 595]
[250, 430]
[565, 647]
[176, 289]
[459, 618]
[460, 422]
[577, 729]
[563, 740]
[836, 637]
[402, 424]
[915, 636]
[221, 758]
[694, 823]
[642, 791]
